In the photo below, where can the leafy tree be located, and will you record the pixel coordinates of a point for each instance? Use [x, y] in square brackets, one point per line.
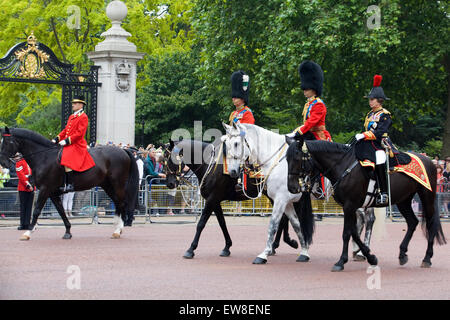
[409, 48]
[173, 99]
[156, 27]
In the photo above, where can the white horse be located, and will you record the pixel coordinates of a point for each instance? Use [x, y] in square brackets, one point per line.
[258, 146]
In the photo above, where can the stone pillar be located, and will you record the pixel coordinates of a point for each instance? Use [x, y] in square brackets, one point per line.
[117, 58]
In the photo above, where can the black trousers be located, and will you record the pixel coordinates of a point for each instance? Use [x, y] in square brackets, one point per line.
[26, 204]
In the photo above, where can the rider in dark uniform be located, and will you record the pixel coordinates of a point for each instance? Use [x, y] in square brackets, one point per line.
[370, 147]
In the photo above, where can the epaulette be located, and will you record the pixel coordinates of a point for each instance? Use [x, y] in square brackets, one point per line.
[386, 111]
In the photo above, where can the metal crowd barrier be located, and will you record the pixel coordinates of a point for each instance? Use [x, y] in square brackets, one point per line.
[182, 205]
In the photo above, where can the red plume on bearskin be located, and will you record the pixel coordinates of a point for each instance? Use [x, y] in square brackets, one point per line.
[377, 80]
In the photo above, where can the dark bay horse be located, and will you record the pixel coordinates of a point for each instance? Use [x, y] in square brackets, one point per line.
[215, 187]
[115, 171]
[332, 160]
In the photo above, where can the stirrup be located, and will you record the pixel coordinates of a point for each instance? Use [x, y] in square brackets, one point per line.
[67, 188]
[382, 199]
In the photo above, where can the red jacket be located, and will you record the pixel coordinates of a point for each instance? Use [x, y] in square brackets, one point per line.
[75, 154]
[244, 115]
[23, 171]
[314, 114]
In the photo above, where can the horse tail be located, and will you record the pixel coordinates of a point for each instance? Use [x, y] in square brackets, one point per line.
[132, 187]
[303, 208]
[431, 224]
[431, 221]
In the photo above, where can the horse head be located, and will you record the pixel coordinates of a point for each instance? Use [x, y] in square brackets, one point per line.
[299, 162]
[9, 146]
[173, 164]
[236, 147]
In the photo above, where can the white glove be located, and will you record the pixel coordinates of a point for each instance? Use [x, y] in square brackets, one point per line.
[54, 141]
[29, 186]
[291, 135]
[62, 143]
[359, 136]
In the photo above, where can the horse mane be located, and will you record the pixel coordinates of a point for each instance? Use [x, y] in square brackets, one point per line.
[326, 146]
[31, 135]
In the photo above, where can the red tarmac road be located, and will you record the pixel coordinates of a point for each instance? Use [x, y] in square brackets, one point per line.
[147, 263]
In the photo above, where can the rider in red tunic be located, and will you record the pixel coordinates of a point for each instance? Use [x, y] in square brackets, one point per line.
[75, 156]
[314, 111]
[240, 85]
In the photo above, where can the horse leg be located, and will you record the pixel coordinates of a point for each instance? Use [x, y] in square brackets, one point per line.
[117, 195]
[283, 228]
[59, 207]
[360, 221]
[42, 198]
[228, 243]
[350, 230]
[293, 218]
[412, 222]
[206, 213]
[291, 242]
[370, 220]
[276, 243]
[274, 223]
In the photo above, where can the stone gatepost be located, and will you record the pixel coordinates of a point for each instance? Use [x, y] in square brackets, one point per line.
[117, 58]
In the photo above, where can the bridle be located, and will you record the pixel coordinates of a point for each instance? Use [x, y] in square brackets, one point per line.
[304, 177]
[28, 154]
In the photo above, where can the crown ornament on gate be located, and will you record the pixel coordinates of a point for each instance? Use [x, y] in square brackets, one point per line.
[31, 60]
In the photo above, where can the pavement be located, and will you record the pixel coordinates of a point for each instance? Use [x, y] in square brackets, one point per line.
[146, 264]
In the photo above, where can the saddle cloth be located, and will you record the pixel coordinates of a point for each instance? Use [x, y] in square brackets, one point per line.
[414, 169]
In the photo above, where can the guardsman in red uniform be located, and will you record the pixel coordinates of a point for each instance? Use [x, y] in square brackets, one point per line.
[75, 155]
[240, 86]
[26, 191]
[314, 111]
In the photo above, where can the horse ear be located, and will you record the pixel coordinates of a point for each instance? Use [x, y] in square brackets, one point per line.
[226, 127]
[7, 130]
[171, 144]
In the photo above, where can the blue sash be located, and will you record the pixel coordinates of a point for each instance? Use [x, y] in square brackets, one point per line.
[240, 114]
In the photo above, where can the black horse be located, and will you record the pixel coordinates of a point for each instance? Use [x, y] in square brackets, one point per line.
[338, 163]
[215, 187]
[115, 171]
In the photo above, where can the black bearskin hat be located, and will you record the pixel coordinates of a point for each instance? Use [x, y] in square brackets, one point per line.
[240, 85]
[311, 76]
[377, 91]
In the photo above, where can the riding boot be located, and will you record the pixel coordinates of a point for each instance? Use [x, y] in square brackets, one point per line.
[382, 198]
[68, 182]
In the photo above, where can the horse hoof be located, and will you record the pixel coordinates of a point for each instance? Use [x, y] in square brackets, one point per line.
[403, 260]
[337, 268]
[259, 260]
[115, 235]
[67, 236]
[225, 253]
[302, 258]
[372, 260]
[188, 255]
[426, 264]
[24, 238]
[293, 244]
